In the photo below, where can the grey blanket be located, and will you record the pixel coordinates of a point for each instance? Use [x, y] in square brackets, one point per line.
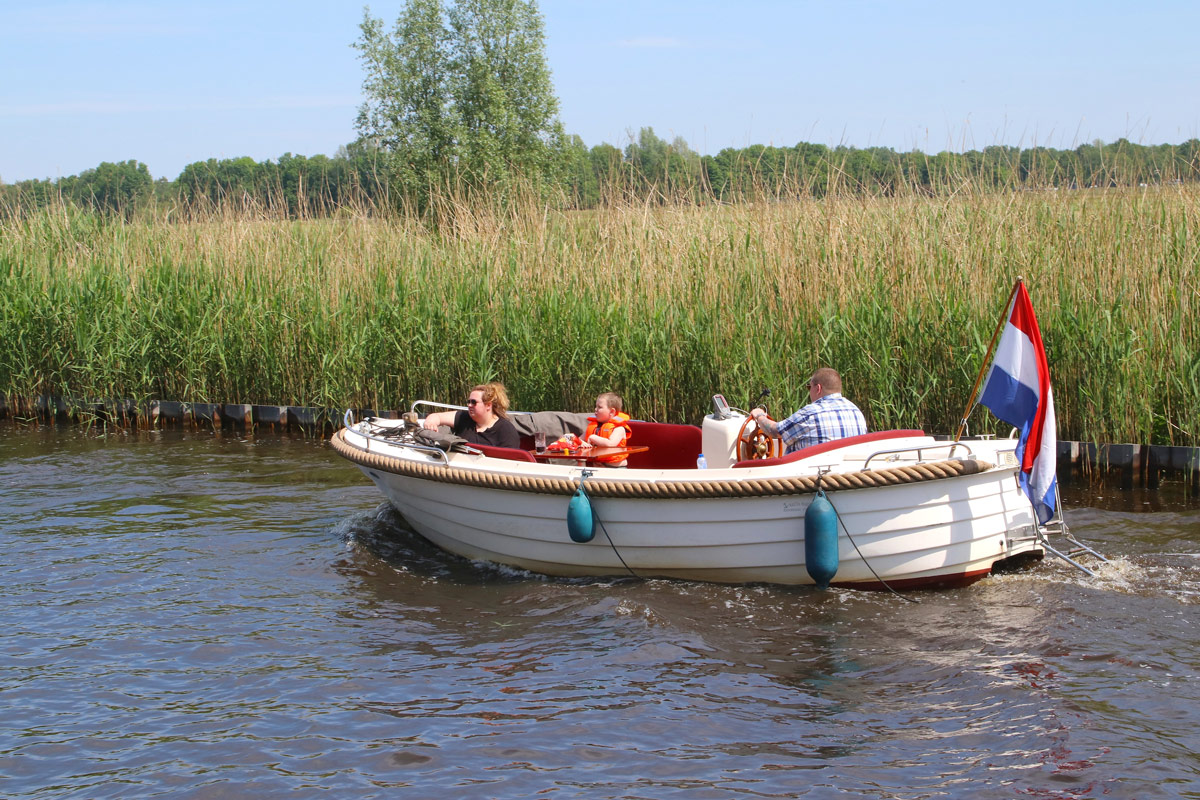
[441, 439]
[554, 423]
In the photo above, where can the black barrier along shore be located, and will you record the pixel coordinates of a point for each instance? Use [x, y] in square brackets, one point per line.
[1131, 465]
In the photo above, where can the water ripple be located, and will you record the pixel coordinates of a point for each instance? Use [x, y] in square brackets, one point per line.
[203, 617]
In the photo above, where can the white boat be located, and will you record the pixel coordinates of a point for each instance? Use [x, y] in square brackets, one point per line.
[911, 511]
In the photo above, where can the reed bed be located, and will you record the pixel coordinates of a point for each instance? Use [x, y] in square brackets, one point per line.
[665, 305]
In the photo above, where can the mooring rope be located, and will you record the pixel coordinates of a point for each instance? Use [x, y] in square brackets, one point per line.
[615, 486]
[863, 557]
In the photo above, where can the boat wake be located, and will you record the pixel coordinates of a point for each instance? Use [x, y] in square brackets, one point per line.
[1175, 576]
[387, 535]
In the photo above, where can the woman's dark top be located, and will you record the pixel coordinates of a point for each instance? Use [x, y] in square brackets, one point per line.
[501, 434]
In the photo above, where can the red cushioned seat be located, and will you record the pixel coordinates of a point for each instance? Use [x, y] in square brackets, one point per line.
[671, 446]
[506, 453]
[825, 447]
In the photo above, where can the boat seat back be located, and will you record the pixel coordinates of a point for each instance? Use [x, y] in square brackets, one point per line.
[506, 453]
[825, 447]
[671, 446]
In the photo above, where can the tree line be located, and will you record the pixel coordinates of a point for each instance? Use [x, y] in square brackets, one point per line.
[647, 169]
[460, 107]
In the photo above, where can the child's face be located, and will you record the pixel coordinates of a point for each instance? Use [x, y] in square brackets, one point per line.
[603, 412]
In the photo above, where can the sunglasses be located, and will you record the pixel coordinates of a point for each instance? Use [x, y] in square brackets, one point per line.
[474, 402]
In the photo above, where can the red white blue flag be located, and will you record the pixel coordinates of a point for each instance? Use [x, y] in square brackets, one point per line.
[1017, 391]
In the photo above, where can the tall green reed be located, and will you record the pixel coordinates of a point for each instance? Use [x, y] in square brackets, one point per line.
[666, 304]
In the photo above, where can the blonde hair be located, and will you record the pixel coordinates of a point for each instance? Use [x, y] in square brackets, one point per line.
[496, 394]
[611, 399]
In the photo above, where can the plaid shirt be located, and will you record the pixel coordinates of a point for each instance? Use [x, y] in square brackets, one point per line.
[830, 417]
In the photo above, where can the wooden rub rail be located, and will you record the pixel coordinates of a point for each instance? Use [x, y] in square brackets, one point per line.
[618, 486]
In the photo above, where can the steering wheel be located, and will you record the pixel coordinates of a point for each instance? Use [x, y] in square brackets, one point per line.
[755, 443]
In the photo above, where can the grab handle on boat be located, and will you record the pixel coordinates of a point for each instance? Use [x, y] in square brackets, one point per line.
[367, 432]
[919, 450]
[452, 407]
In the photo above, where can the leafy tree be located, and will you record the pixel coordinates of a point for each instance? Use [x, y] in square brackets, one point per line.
[361, 177]
[460, 96]
[582, 183]
[502, 90]
[217, 182]
[111, 188]
[662, 170]
[29, 195]
[609, 168]
[409, 116]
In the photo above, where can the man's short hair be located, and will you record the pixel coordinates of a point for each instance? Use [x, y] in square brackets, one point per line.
[829, 380]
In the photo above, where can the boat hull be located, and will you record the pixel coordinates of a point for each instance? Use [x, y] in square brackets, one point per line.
[929, 532]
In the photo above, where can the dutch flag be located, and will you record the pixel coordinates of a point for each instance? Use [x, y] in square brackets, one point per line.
[1018, 392]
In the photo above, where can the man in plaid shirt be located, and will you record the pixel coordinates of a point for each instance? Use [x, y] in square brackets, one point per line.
[829, 416]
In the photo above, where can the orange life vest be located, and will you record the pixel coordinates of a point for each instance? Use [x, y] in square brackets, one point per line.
[621, 420]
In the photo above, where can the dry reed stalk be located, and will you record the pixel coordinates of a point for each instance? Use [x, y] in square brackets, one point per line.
[692, 298]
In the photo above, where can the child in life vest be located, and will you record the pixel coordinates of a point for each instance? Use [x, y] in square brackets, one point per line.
[608, 428]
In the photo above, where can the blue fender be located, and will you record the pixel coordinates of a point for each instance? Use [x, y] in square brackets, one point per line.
[821, 541]
[581, 523]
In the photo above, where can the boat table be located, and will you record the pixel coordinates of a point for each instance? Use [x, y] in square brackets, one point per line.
[589, 455]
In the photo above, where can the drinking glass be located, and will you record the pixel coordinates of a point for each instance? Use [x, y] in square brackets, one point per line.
[539, 441]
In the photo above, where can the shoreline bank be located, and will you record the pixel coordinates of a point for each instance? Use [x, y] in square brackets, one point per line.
[1129, 465]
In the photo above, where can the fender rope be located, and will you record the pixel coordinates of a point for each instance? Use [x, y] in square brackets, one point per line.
[615, 486]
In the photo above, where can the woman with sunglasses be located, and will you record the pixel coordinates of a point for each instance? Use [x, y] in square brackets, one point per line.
[484, 422]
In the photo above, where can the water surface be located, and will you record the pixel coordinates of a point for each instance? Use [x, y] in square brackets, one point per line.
[199, 616]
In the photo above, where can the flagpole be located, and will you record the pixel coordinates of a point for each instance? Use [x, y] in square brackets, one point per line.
[962, 425]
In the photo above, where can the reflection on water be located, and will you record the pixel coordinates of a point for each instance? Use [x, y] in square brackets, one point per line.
[1173, 495]
[201, 616]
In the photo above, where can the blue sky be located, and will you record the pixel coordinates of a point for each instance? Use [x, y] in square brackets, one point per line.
[172, 83]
